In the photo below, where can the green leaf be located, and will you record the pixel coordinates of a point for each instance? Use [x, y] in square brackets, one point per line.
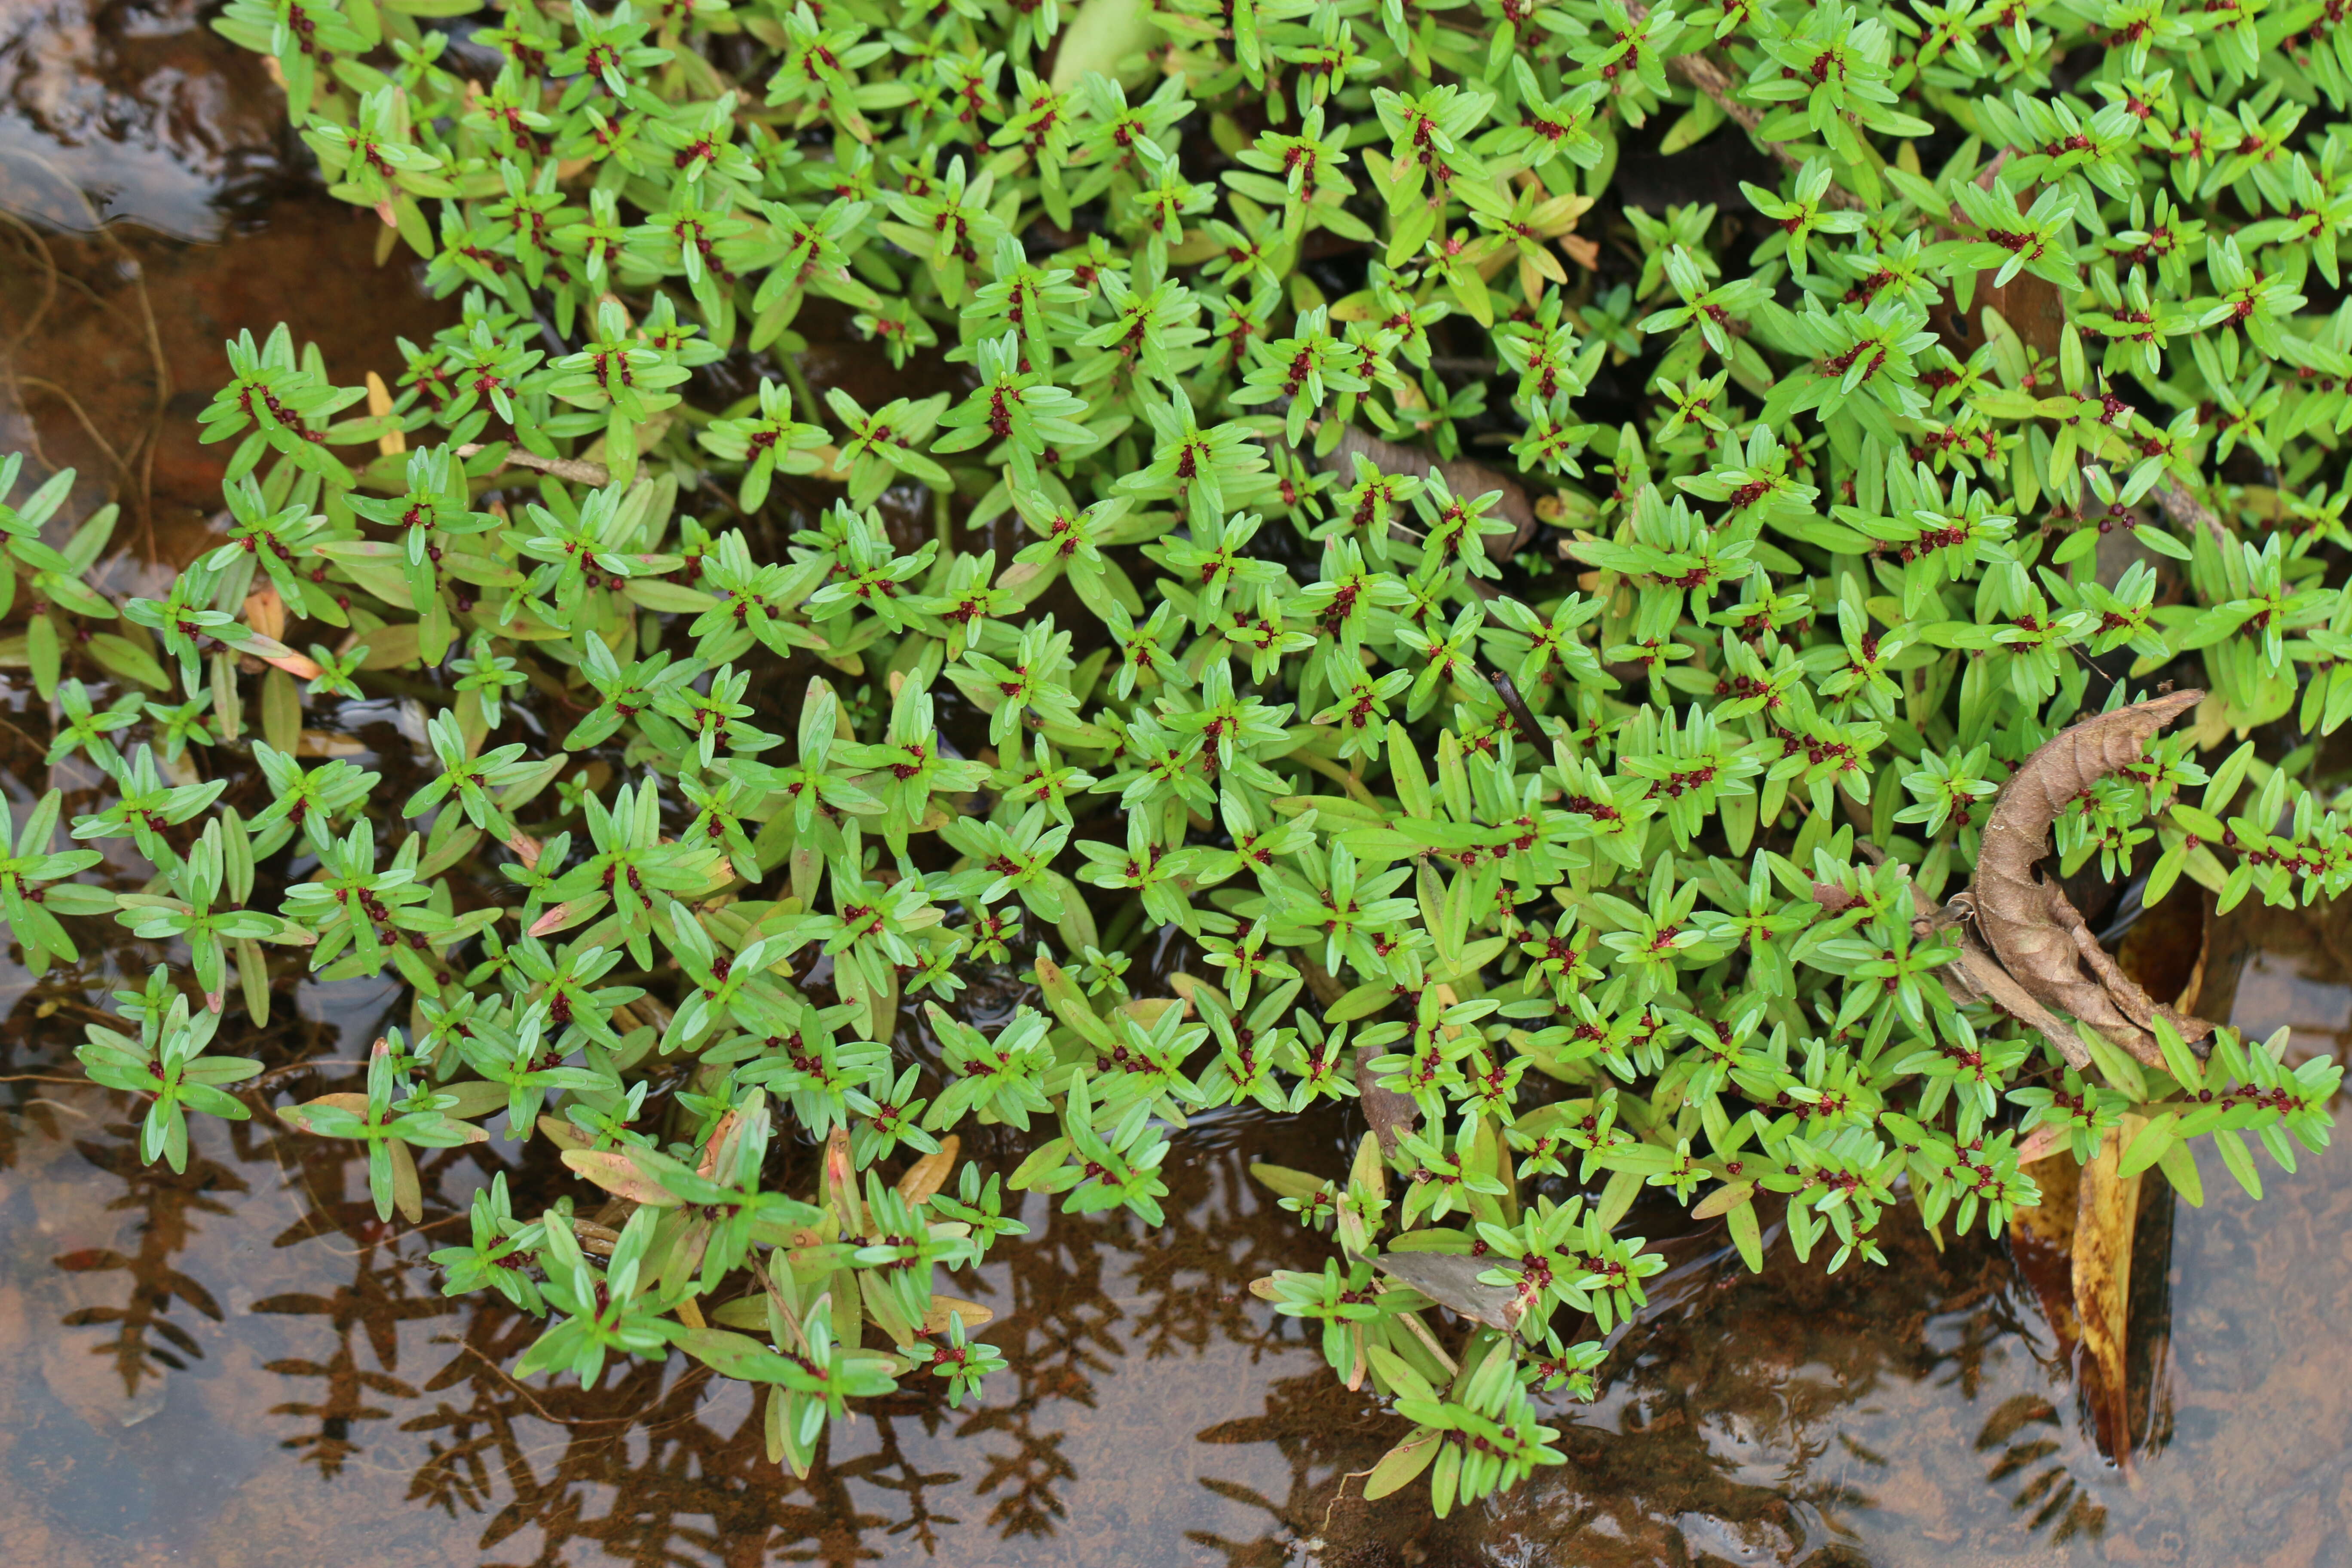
[1402, 1465]
[1695, 125]
[2149, 1146]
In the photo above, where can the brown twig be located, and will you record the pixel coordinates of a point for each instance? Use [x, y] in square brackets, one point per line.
[1518, 707]
[572, 468]
[48, 284]
[270, 1080]
[67, 398]
[153, 437]
[2185, 510]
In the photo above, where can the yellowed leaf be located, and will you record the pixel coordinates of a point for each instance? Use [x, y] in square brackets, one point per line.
[617, 1173]
[379, 402]
[1724, 1199]
[301, 666]
[1149, 1010]
[562, 1133]
[929, 1173]
[407, 1191]
[2106, 1210]
[281, 711]
[265, 612]
[974, 1315]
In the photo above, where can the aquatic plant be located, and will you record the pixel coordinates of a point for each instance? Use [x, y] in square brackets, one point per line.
[1591, 684]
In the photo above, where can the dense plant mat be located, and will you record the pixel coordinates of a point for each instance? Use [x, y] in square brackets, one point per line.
[1344, 604]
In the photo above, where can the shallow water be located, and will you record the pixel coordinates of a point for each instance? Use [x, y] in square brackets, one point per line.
[242, 1367]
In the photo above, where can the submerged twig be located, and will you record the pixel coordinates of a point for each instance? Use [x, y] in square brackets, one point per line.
[2184, 510]
[577, 471]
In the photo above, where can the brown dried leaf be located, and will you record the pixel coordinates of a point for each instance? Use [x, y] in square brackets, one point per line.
[1833, 899]
[975, 1316]
[1977, 973]
[1390, 1115]
[2042, 1245]
[598, 1239]
[265, 612]
[407, 1189]
[2040, 937]
[929, 1173]
[1451, 1280]
[2031, 305]
[1463, 478]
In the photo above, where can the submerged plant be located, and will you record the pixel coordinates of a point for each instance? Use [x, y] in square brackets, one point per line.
[1588, 689]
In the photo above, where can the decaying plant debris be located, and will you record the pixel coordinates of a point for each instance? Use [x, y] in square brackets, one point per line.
[2045, 955]
[1462, 476]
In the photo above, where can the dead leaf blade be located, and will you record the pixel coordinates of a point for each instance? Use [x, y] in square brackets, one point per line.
[2028, 923]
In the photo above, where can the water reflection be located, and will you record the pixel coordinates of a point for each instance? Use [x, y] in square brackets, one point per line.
[256, 1308]
[134, 111]
[242, 1366]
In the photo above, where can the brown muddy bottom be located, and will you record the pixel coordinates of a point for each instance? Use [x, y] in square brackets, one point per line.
[241, 1367]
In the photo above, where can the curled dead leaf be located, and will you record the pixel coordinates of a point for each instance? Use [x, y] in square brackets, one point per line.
[1977, 973]
[2039, 937]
